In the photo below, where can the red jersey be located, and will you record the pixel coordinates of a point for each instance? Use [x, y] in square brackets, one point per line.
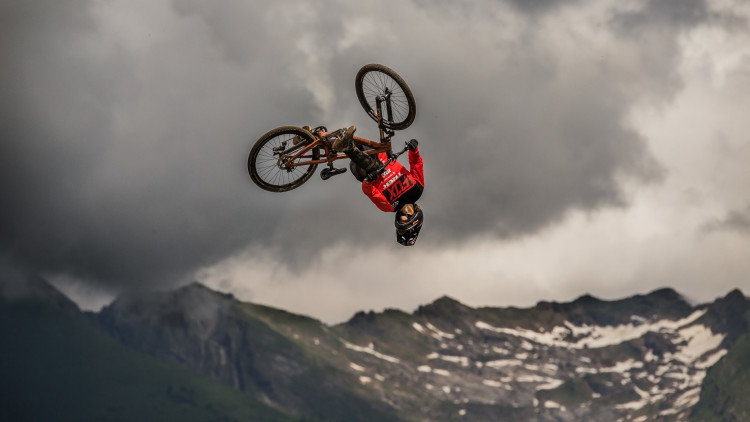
[395, 181]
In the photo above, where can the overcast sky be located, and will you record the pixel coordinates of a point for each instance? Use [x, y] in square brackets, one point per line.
[570, 147]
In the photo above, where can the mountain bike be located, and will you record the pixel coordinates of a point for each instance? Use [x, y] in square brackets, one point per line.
[286, 157]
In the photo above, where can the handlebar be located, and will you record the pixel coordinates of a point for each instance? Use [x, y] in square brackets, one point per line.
[394, 156]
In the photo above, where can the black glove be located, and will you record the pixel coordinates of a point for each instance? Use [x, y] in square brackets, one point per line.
[412, 144]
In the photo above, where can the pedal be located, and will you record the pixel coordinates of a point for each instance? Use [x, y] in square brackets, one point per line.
[326, 174]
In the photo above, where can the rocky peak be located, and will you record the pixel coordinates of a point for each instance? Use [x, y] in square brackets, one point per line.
[662, 303]
[666, 294]
[734, 299]
[731, 313]
[191, 299]
[37, 292]
[190, 310]
[445, 306]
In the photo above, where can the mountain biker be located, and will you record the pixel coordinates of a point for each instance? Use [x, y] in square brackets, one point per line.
[391, 188]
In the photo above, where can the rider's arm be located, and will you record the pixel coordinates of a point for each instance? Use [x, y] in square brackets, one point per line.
[376, 197]
[415, 166]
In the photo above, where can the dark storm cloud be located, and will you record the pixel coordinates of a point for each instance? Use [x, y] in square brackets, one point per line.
[126, 166]
[517, 170]
[672, 13]
[125, 131]
[737, 221]
[539, 6]
[48, 124]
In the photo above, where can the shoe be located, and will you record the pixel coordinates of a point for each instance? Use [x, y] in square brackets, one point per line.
[344, 142]
[297, 139]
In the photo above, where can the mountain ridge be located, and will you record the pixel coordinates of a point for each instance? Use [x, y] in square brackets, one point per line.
[57, 364]
[644, 356]
[396, 356]
[35, 291]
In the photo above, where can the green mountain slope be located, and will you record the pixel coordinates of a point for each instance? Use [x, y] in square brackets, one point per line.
[56, 365]
[727, 387]
[290, 360]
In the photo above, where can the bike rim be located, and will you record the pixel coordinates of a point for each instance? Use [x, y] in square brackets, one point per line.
[376, 83]
[268, 167]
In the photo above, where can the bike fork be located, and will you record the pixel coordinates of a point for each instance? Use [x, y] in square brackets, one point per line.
[385, 133]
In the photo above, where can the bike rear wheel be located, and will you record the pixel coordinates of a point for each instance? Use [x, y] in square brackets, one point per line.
[374, 80]
[268, 159]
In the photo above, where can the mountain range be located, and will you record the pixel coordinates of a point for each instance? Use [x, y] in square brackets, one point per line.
[196, 354]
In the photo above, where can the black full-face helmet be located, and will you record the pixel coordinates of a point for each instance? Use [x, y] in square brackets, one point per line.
[408, 231]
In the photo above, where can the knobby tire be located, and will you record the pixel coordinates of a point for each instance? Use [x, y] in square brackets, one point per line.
[263, 165]
[371, 81]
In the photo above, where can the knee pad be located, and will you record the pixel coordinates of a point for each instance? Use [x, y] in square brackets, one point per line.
[358, 172]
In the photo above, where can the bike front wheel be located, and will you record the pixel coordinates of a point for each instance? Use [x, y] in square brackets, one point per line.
[269, 162]
[376, 80]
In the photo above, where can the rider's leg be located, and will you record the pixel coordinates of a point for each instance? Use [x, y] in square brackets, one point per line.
[358, 172]
[366, 162]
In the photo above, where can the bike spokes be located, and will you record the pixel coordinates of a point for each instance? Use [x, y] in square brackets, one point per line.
[274, 162]
[379, 84]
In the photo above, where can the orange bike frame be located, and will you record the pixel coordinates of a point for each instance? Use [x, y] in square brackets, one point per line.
[305, 157]
[330, 155]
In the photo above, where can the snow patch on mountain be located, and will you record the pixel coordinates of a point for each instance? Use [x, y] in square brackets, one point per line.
[592, 336]
[711, 359]
[623, 367]
[370, 349]
[700, 341]
[432, 331]
[673, 376]
[501, 363]
[550, 384]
